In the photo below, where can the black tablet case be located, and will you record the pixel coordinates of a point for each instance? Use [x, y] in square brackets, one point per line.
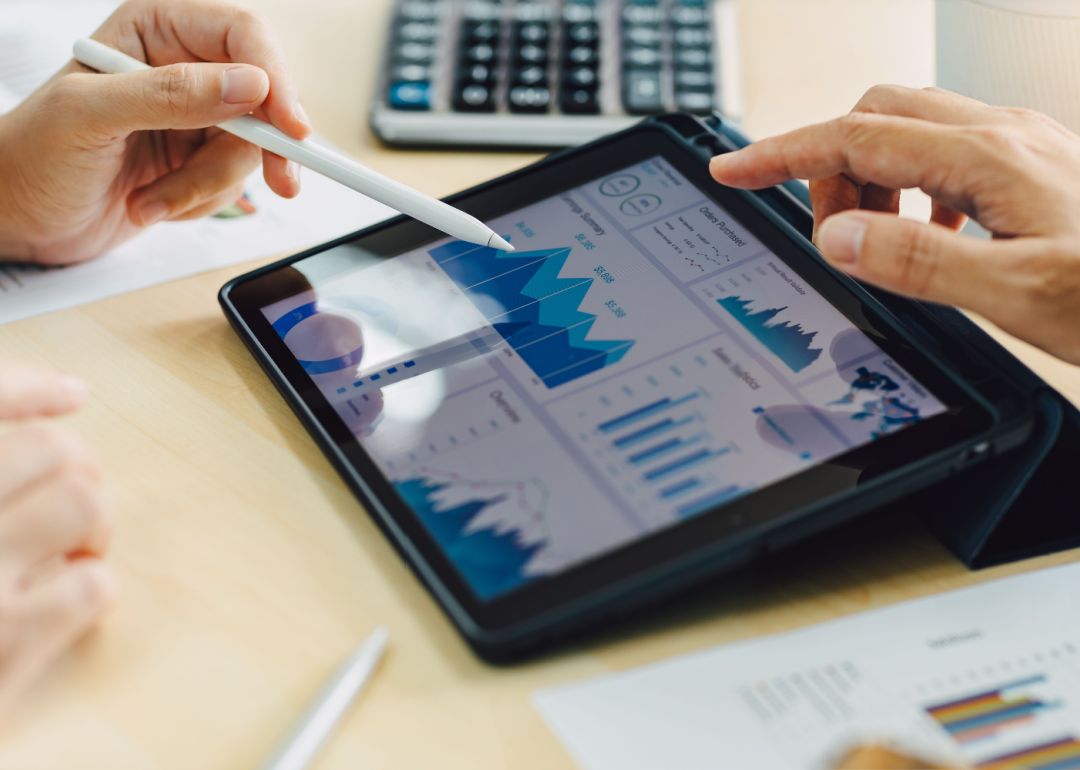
[1010, 507]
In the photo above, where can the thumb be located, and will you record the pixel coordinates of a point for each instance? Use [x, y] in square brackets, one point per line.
[922, 260]
[180, 96]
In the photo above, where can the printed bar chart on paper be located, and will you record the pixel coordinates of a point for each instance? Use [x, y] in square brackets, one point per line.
[1015, 724]
[984, 677]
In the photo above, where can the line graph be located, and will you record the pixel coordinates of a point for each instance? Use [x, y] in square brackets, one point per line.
[522, 295]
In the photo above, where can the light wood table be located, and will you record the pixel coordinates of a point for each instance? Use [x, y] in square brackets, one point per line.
[248, 570]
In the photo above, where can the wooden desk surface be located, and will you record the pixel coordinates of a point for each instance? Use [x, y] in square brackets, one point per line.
[248, 570]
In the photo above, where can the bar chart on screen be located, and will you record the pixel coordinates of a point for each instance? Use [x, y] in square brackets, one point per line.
[664, 434]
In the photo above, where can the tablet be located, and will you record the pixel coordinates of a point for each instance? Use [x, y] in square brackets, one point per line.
[663, 380]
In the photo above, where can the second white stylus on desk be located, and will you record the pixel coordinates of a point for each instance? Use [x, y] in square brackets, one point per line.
[348, 172]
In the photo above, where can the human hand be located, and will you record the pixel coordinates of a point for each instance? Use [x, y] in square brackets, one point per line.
[54, 527]
[89, 160]
[1016, 172]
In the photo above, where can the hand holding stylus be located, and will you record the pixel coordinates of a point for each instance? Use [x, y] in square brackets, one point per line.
[341, 169]
[88, 161]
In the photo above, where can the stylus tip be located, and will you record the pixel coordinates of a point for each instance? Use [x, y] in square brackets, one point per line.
[498, 243]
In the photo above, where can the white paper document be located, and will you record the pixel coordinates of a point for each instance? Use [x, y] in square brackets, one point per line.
[987, 677]
[35, 41]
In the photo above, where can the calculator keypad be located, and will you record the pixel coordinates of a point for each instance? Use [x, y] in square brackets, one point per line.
[546, 56]
[579, 73]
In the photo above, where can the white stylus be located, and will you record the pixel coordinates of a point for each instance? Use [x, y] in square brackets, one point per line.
[348, 172]
[313, 728]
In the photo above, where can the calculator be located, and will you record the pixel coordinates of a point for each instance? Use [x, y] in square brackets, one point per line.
[551, 73]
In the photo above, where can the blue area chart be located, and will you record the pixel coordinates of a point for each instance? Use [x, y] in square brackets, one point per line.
[789, 342]
[491, 562]
[522, 295]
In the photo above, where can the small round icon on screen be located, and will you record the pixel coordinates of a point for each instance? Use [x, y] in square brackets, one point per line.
[639, 205]
[620, 184]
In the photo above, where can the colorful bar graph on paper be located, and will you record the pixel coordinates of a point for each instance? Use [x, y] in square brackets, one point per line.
[661, 450]
[989, 712]
[644, 413]
[1063, 754]
[709, 501]
[680, 489]
[651, 431]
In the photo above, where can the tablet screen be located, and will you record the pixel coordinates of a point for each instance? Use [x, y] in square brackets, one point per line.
[640, 359]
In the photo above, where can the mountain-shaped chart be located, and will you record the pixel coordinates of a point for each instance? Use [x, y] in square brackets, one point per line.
[492, 562]
[532, 307]
[788, 341]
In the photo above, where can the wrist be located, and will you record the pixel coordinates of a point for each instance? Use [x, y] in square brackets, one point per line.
[14, 246]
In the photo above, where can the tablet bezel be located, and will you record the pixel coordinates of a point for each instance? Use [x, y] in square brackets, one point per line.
[968, 417]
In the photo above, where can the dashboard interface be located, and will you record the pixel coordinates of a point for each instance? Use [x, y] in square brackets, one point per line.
[640, 359]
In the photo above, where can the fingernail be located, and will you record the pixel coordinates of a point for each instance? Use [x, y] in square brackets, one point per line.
[300, 115]
[76, 387]
[840, 238]
[152, 212]
[100, 584]
[292, 170]
[242, 85]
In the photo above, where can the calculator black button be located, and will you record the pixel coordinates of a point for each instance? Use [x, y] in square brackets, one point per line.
[536, 34]
[417, 32]
[582, 77]
[686, 16]
[641, 35]
[483, 32]
[477, 73]
[692, 37]
[414, 53]
[410, 72]
[581, 54]
[575, 13]
[530, 76]
[474, 98]
[529, 99]
[410, 96]
[582, 34]
[692, 79]
[419, 11]
[642, 14]
[579, 101]
[691, 58]
[641, 92]
[480, 54]
[641, 58]
[533, 54]
[695, 101]
[477, 12]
